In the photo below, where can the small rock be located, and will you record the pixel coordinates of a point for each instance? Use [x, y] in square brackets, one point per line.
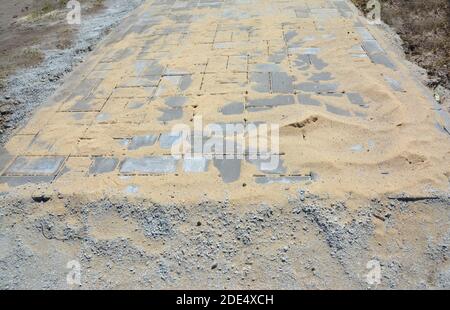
[40, 197]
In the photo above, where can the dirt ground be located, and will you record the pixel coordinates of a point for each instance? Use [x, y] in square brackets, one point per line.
[424, 27]
[38, 48]
[31, 26]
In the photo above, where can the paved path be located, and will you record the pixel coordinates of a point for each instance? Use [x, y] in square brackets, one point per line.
[350, 114]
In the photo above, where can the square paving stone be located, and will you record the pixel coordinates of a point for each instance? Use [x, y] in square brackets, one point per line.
[282, 83]
[269, 67]
[147, 81]
[382, 59]
[142, 141]
[372, 47]
[281, 179]
[307, 100]
[302, 13]
[147, 68]
[35, 166]
[149, 165]
[266, 165]
[357, 99]
[21, 180]
[176, 101]
[364, 33]
[314, 87]
[272, 102]
[233, 108]
[84, 105]
[321, 76]
[394, 84]
[103, 165]
[230, 169]
[195, 164]
[5, 156]
[336, 110]
[260, 82]
[167, 140]
[170, 114]
[343, 9]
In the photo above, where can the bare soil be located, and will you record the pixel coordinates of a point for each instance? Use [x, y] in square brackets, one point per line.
[424, 27]
[38, 48]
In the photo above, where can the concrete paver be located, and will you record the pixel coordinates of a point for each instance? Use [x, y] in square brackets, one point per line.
[313, 67]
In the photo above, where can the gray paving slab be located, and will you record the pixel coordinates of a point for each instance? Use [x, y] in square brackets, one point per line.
[260, 81]
[230, 169]
[307, 100]
[135, 104]
[357, 99]
[302, 13]
[364, 33]
[307, 50]
[278, 56]
[344, 9]
[267, 67]
[372, 47]
[318, 63]
[282, 83]
[142, 141]
[171, 114]
[335, 110]
[195, 164]
[148, 68]
[15, 181]
[35, 166]
[185, 83]
[264, 165]
[282, 179]
[382, 59]
[324, 13]
[102, 165]
[394, 84]
[302, 62]
[176, 101]
[289, 35]
[147, 81]
[167, 140]
[233, 108]
[321, 76]
[272, 101]
[5, 158]
[85, 88]
[149, 165]
[103, 117]
[87, 105]
[314, 87]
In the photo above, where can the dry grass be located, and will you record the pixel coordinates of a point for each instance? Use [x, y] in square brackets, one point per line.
[47, 22]
[43, 7]
[424, 26]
